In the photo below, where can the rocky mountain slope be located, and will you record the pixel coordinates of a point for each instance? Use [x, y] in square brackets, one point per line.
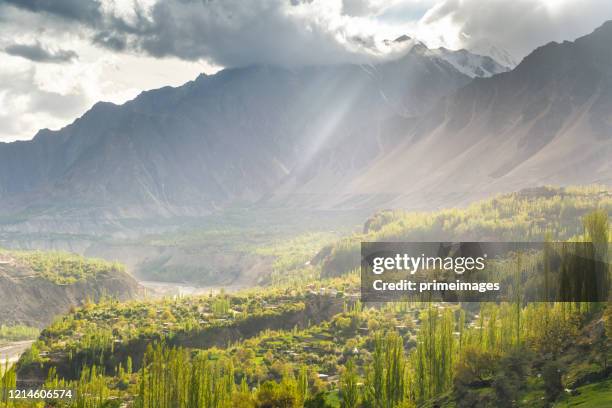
[548, 121]
[227, 138]
[413, 132]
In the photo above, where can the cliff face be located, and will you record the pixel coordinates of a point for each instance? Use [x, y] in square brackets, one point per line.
[28, 298]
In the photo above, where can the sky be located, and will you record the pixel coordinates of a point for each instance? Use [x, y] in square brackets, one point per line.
[58, 58]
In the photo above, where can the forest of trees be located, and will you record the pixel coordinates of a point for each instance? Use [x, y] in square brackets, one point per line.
[484, 363]
[395, 355]
[529, 215]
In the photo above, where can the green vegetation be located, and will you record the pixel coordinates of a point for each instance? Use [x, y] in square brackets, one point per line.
[410, 355]
[292, 258]
[17, 333]
[598, 395]
[529, 215]
[99, 333]
[60, 268]
[309, 342]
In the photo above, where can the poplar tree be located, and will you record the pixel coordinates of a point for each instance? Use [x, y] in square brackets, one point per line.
[349, 392]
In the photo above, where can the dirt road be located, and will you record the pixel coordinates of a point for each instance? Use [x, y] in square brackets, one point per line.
[12, 351]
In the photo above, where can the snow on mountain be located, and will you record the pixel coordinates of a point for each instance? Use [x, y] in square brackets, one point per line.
[498, 54]
[473, 65]
[468, 63]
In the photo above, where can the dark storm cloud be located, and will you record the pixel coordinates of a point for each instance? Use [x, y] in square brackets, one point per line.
[38, 53]
[228, 32]
[294, 32]
[235, 33]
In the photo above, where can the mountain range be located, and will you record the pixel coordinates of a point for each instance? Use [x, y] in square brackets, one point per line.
[432, 128]
[548, 121]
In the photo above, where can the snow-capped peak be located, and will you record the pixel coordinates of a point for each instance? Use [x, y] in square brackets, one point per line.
[473, 65]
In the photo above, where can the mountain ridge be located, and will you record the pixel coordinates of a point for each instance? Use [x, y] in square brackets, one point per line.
[412, 133]
[162, 152]
[545, 122]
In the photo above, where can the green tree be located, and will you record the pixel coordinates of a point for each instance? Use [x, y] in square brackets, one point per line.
[349, 393]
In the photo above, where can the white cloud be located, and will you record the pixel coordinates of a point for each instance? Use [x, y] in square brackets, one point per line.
[126, 46]
[35, 95]
[518, 26]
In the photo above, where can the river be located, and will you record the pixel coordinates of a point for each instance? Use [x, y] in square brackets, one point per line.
[161, 289]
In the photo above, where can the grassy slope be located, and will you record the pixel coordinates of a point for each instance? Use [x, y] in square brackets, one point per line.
[597, 395]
